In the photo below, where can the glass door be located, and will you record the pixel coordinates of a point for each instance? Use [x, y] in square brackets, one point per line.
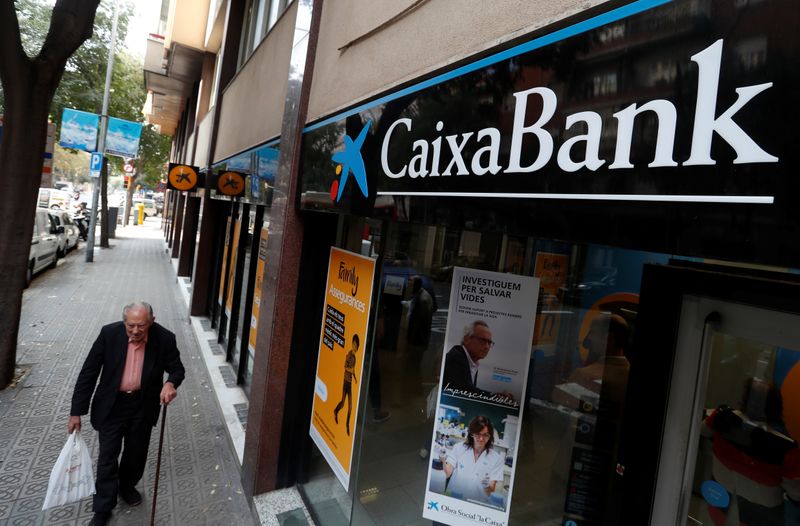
[730, 453]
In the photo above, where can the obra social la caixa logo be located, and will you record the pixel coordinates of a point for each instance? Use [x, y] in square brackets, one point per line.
[350, 160]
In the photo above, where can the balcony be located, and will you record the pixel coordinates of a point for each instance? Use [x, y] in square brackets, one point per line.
[174, 62]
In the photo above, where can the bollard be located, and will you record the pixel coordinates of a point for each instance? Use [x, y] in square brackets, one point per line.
[140, 212]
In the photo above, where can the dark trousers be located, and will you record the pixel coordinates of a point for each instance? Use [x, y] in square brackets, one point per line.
[82, 227]
[124, 427]
[346, 393]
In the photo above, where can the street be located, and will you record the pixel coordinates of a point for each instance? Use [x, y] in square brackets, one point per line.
[63, 311]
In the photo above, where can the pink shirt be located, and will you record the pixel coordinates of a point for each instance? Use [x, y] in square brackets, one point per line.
[132, 374]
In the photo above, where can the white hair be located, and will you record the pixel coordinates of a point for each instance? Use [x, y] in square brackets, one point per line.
[469, 329]
[138, 304]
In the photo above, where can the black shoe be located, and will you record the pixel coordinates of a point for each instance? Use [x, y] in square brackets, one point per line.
[130, 495]
[100, 518]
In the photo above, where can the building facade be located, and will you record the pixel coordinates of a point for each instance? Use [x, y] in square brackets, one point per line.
[586, 208]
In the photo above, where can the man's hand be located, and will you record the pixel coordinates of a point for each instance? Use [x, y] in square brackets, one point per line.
[74, 424]
[168, 393]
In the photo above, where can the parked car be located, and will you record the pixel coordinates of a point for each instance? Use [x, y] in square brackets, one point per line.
[44, 245]
[150, 209]
[158, 199]
[68, 239]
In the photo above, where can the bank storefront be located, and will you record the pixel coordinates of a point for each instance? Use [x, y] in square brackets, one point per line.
[582, 308]
[240, 192]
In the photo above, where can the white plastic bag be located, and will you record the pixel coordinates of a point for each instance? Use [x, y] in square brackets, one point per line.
[72, 478]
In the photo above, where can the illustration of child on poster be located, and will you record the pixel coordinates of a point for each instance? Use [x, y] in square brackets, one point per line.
[347, 384]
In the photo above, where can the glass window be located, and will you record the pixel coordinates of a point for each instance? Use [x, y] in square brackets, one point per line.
[330, 502]
[243, 327]
[746, 468]
[276, 8]
[576, 383]
[259, 17]
[212, 101]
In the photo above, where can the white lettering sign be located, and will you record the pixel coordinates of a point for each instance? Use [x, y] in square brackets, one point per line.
[424, 160]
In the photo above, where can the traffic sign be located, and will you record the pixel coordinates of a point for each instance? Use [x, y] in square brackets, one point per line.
[96, 164]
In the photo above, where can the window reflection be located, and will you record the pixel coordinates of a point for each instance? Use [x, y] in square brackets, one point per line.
[580, 359]
[747, 469]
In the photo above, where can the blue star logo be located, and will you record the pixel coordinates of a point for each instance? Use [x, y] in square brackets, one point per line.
[433, 505]
[350, 160]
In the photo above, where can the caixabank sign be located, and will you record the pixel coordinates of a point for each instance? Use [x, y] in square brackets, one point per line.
[665, 126]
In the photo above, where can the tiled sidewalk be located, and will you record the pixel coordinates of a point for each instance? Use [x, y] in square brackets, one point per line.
[63, 311]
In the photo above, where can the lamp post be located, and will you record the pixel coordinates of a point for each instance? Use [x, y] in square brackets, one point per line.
[101, 143]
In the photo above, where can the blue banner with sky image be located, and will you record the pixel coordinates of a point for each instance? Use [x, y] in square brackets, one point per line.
[79, 130]
[267, 162]
[122, 138]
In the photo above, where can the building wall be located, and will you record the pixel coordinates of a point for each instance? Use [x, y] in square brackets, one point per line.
[190, 148]
[431, 36]
[187, 23]
[252, 105]
[203, 139]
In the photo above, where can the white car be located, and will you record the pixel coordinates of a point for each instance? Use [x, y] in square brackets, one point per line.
[68, 232]
[54, 198]
[150, 209]
[44, 245]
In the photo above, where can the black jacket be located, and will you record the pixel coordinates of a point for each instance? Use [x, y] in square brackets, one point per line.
[107, 359]
[456, 370]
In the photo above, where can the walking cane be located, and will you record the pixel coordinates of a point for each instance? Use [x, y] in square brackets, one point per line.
[158, 463]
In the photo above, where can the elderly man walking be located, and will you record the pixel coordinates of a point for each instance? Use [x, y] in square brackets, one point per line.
[130, 357]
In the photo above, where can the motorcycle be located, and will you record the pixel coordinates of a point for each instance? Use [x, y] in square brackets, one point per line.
[81, 219]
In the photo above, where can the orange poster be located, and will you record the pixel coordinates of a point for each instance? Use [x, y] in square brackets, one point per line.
[260, 264]
[224, 261]
[340, 363]
[551, 269]
[232, 268]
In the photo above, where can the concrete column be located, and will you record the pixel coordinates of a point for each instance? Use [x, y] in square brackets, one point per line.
[279, 286]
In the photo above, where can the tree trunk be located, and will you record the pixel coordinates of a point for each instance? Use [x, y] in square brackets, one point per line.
[129, 197]
[28, 87]
[21, 159]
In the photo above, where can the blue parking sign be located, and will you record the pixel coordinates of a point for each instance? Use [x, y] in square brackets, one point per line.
[96, 164]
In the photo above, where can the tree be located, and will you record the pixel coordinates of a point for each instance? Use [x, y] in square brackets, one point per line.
[151, 164]
[70, 165]
[29, 84]
[84, 84]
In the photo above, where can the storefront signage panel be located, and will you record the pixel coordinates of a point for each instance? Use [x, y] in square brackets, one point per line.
[340, 362]
[183, 177]
[230, 183]
[257, 169]
[256, 307]
[483, 383]
[667, 126]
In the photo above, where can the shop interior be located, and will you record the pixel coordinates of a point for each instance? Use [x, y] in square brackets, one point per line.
[575, 388]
